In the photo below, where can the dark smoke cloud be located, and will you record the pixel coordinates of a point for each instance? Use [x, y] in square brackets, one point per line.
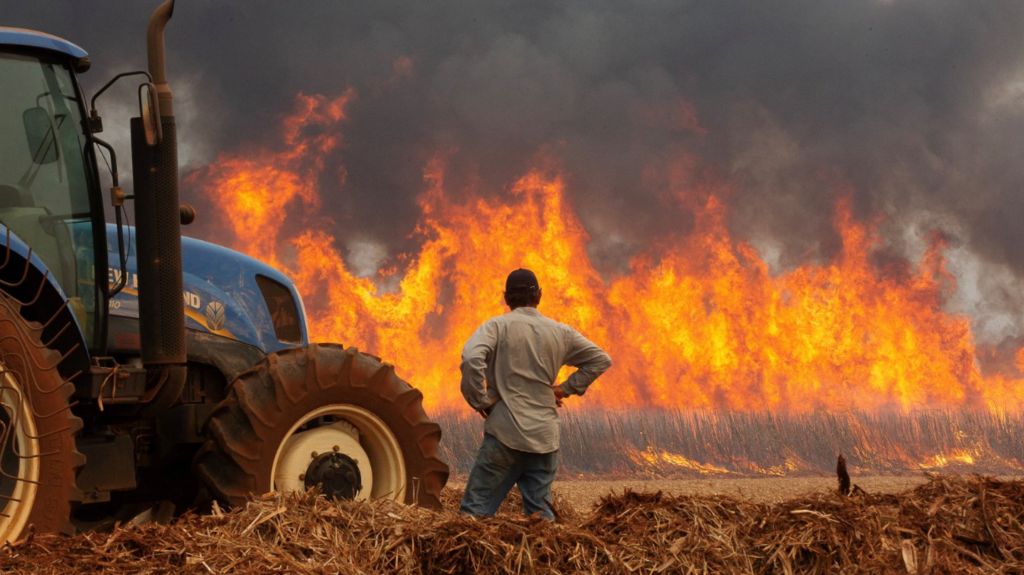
[915, 109]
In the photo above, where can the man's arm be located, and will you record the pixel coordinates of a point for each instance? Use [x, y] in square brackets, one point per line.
[590, 360]
[480, 346]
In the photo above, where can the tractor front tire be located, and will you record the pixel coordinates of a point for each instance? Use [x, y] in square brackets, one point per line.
[38, 459]
[326, 413]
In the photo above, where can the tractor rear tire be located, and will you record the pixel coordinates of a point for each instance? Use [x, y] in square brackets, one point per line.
[38, 459]
[328, 394]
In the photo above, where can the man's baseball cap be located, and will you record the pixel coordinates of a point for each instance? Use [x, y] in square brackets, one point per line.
[521, 280]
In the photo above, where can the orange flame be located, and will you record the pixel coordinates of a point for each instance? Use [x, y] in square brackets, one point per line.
[658, 458]
[698, 322]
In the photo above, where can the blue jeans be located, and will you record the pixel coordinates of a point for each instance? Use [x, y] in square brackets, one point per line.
[498, 468]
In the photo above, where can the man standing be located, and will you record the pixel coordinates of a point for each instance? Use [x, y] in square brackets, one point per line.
[509, 367]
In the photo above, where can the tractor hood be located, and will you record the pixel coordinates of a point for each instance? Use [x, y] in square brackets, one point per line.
[225, 293]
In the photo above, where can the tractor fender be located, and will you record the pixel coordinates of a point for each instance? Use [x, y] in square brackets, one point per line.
[28, 280]
[229, 356]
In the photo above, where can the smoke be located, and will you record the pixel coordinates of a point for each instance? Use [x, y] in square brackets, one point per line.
[912, 108]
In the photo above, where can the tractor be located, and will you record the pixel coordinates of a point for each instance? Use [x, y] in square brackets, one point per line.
[143, 372]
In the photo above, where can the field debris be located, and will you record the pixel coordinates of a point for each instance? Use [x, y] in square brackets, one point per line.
[947, 525]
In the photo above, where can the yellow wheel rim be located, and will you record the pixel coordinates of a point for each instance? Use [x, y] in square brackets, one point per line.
[348, 429]
[19, 456]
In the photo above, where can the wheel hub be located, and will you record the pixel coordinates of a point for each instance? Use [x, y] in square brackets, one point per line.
[328, 455]
[335, 474]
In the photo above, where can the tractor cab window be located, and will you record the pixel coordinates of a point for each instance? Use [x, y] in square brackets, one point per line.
[44, 180]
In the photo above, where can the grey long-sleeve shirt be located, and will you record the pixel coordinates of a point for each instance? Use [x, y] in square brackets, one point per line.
[510, 363]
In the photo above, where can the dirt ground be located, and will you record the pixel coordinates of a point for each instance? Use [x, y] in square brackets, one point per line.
[584, 493]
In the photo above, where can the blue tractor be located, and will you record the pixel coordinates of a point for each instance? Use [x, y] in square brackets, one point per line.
[145, 371]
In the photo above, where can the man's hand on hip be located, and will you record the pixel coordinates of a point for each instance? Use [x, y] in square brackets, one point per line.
[559, 394]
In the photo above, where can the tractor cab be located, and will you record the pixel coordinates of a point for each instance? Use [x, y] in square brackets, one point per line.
[48, 185]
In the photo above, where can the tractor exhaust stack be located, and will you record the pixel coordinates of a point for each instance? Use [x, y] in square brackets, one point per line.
[158, 229]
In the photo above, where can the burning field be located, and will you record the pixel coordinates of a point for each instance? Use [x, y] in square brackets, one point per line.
[697, 321]
[946, 525]
[723, 365]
